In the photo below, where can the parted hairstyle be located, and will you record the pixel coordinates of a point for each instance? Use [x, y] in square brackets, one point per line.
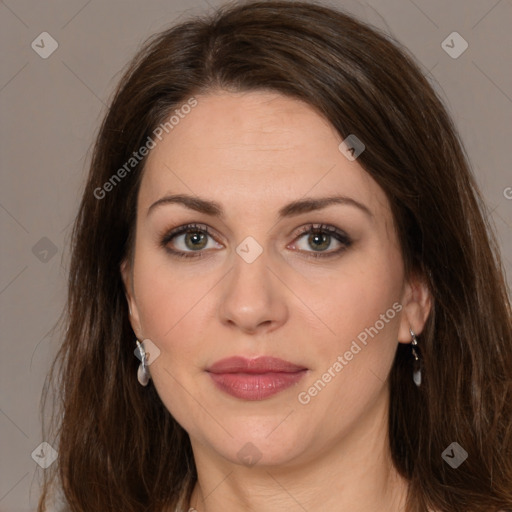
[119, 447]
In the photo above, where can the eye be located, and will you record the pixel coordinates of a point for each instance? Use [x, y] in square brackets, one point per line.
[320, 238]
[188, 239]
[191, 241]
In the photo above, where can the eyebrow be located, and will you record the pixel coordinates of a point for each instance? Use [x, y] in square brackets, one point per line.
[294, 208]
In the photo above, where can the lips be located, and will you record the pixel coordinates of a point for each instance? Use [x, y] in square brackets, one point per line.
[254, 379]
[239, 364]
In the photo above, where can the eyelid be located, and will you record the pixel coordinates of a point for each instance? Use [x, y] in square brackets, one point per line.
[319, 227]
[167, 234]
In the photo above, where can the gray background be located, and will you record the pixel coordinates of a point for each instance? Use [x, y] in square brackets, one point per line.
[51, 109]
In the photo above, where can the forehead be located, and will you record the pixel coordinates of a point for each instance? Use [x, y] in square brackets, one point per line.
[243, 149]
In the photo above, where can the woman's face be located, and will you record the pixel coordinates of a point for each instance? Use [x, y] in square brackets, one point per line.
[333, 303]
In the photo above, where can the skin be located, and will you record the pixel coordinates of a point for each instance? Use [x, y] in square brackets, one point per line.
[254, 153]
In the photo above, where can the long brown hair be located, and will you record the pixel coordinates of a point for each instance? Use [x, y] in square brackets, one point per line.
[119, 448]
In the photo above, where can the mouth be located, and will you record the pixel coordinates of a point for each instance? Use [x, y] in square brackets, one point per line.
[255, 379]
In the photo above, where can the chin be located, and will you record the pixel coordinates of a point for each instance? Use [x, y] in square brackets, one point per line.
[260, 447]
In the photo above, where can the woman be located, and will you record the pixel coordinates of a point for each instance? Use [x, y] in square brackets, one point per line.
[283, 294]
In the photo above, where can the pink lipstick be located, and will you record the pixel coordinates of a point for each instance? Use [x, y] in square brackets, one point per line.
[254, 379]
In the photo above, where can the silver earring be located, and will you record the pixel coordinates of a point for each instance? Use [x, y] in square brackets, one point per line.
[143, 374]
[416, 374]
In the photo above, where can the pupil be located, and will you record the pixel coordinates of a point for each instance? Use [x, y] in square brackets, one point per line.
[194, 237]
[314, 238]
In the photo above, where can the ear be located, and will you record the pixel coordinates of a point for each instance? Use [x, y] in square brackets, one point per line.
[416, 303]
[127, 276]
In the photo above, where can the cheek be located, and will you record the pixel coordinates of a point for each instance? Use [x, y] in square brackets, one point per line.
[167, 310]
[160, 298]
[354, 356]
[172, 304]
[357, 298]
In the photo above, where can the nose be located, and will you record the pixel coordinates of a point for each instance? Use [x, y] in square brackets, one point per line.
[253, 298]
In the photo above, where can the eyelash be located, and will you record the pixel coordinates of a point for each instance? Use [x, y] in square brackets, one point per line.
[339, 235]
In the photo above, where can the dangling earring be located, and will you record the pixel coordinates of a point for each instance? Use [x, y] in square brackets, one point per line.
[416, 373]
[143, 374]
